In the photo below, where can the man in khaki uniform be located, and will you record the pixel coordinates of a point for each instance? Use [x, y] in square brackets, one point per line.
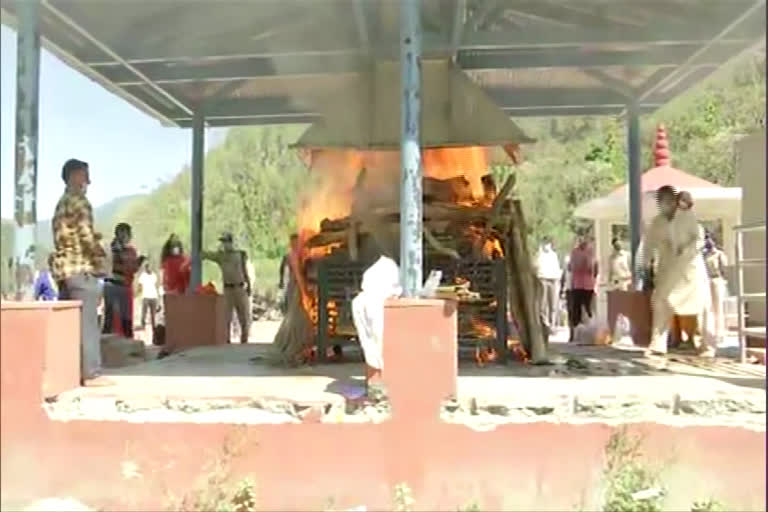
[237, 282]
[716, 262]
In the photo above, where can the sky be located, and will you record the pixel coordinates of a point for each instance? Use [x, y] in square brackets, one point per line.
[128, 152]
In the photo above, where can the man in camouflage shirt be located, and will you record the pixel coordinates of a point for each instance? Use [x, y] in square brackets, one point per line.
[77, 263]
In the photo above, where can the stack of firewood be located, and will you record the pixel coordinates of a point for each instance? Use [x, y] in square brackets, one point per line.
[457, 292]
[455, 226]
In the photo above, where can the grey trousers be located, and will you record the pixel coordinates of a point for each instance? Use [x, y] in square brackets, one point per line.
[550, 296]
[86, 289]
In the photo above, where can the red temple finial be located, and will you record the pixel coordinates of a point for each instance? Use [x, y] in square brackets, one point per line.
[661, 150]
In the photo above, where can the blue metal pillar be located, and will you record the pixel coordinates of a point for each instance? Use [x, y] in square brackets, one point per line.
[634, 182]
[411, 228]
[198, 158]
[25, 182]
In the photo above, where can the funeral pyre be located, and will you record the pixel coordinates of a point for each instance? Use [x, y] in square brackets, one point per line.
[474, 232]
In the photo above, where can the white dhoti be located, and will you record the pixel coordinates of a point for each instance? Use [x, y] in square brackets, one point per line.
[682, 284]
[368, 315]
[380, 282]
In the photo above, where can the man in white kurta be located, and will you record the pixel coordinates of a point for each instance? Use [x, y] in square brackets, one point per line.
[674, 239]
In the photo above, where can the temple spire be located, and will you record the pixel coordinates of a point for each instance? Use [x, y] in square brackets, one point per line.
[661, 149]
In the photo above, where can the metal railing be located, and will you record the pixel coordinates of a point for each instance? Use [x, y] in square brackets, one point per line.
[741, 297]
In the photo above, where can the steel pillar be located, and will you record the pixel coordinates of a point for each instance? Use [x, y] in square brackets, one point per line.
[634, 183]
[25, 182]
[198, 157]
[410, 148]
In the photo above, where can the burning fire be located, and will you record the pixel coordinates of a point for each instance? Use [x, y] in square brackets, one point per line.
[488, 354]
[335, 173]
[343, 180]
[487, 244]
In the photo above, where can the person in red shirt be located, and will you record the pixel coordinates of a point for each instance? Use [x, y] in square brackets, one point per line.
[176, 267]
[118, 288]
[583, 268]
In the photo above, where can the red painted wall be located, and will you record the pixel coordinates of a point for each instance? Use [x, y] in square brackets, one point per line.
[532, 466]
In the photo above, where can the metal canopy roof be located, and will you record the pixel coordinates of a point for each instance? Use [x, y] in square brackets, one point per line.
[257, 61]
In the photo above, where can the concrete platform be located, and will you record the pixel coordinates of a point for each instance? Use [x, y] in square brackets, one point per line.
[200, 384]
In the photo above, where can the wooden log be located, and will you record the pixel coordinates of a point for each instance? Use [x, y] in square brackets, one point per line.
[523, 296]
[352, 241]
[327, 237]
[501, 198]
[437, 246]
[490, 193]
[452, 190]
[289, 348]
[334, 224]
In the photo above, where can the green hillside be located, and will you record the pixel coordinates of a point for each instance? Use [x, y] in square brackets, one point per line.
[105, 217]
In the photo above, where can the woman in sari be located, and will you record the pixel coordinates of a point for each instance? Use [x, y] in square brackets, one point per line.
[176, 266]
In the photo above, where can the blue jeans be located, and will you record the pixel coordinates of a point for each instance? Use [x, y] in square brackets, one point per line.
[117, 297]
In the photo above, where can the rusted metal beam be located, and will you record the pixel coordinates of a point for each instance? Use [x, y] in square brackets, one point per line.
[634, 181]
[457, 33]
[411, 222]
[10, 19]
[196, 206]
[438, 45]
[25, 177]
[245, 67]
[66, 20]
[701, 52]
[361, 19]
[612, 83]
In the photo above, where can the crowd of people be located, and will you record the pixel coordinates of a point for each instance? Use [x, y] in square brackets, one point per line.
[81, 269]
[678, 263]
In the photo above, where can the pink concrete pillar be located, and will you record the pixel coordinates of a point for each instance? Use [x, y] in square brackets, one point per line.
[420, 355]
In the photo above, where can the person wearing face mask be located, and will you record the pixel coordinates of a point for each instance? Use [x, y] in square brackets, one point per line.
[237, 282]
[176, 267]
[674, 239]
[118, 287]
[619, 273]
[78, 262]
[549, 274]
[716, 262]
[584, 271]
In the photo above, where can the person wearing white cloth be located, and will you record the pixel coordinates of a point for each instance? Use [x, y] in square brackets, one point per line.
[549, 274]
[674, 238]
[381, 281]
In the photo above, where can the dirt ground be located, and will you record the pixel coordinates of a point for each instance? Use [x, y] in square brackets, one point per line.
[233, 383]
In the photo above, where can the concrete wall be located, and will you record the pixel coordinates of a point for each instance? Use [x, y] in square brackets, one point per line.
[751, 177]
[527, 466]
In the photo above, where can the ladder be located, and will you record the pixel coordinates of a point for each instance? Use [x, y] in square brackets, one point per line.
[741, 297]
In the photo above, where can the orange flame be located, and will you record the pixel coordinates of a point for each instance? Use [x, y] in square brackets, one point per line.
[518, 350]
[335, 172]
[337, 183]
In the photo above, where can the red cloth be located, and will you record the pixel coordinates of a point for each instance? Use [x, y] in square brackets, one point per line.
[176, 274]
[583, 268]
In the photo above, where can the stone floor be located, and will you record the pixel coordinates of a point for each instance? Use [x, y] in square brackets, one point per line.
[233, 383]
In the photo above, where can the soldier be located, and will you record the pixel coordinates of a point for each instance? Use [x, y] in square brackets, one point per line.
[237, 283]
